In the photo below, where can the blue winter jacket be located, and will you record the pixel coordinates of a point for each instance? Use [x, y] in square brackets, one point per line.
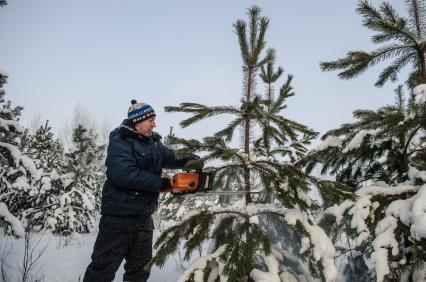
[134, 164]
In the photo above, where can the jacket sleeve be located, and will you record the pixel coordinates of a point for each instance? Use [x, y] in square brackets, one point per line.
[170, 161]
[123, 171]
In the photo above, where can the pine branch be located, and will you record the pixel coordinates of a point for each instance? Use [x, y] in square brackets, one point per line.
[391, 72]
[240, 30]
[200, 112]
[228, 131]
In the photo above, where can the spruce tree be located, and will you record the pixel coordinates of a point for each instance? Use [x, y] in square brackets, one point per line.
[17, 171]
[48, 154]
[82, 179]
[398, 37]
[382, 155]
[240, 242]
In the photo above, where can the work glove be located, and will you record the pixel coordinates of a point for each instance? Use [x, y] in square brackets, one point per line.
[194, 164]
[165, 183]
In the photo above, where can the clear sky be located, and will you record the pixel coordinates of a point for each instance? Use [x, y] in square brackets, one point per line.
[102, 54]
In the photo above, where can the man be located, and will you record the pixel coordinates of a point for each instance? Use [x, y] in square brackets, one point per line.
[134, 162]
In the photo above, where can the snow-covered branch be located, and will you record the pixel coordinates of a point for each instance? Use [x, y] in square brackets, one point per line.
[16, 225]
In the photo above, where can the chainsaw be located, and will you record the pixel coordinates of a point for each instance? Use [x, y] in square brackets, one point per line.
[197, 182]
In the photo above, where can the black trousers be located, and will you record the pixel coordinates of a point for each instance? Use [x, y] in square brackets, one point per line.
[119, 238]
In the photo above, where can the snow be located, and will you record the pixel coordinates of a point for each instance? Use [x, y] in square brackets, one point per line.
[254, 219]
[9, 124]
[330, 141]
[419, 274]
[391, 190]
[200, 263]
[51, 223]
[292, 216]
[322, 245]
[410, 212]
[190, 214]
[16, 225]
[267, 276]
[303, 196]
[30, 166]
[46, 184]
[251, 209]
[401, 209]
[385, 239]
[288, 277]
[21, 183]
[339, 210]
[420, 93]
[68, 263]
[20, 158]
[362, 208]
[323, 250]
[414, 173]
[306, 243]
[356, 141]
[418, 213]
[87, 204]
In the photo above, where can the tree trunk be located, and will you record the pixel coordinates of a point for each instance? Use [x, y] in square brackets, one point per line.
[422, 65]
[247, 137]
[419, 37]
[403, 161]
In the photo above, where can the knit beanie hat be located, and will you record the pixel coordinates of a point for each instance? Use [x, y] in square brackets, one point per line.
[139, 112]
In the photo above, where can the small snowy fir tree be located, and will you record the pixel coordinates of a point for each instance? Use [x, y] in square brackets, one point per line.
[48, 154]
[82, 178]
[17, 171]
[241, 248]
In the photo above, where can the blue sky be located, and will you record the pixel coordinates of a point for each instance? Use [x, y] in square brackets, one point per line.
[102, 54]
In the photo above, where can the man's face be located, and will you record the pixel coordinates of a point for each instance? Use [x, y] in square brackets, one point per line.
[145, 127]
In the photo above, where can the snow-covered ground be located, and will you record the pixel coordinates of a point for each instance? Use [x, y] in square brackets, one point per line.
[68, 264]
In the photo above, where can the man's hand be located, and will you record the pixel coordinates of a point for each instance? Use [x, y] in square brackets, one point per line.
[165, 184]
[194, 164]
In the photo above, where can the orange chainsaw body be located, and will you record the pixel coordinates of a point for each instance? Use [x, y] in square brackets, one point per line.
[185, 182]
[190, 182]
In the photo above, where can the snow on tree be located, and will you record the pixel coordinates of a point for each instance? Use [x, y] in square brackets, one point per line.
[48, 154]
[389, 228]
[15, 224]
[240, 244]
[82, 177]
[17, 171]
[386, 223]
[379, 145]
[382, 155]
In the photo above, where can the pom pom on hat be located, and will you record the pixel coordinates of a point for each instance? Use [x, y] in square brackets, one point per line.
[139, 112]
